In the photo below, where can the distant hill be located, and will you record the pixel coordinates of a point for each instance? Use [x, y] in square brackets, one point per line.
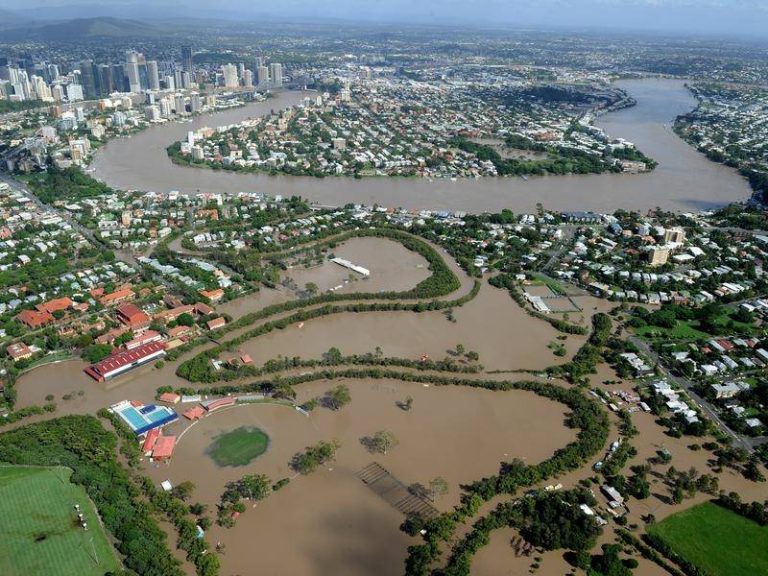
[82, 28]
[12, 20]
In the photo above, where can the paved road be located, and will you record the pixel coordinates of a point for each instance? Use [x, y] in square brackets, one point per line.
[744, 442]
[122, 255]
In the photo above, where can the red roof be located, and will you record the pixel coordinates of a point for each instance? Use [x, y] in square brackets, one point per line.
[34, 319]
[148, 336]
[150, 440]
[164, 447]
[212, 405]
[169, 397]
[18, 350]
[216, 323]
[121, 359]
[194, 413]
[213, 295]
[117, 296]
[55, 305]
[177, 331]
[203, 309]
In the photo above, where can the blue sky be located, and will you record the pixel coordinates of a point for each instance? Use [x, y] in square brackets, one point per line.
[692, 16]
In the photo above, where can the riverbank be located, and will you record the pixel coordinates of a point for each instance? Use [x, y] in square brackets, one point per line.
[683, 181]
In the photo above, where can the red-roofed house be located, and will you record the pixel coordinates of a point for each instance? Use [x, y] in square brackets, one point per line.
[146, 338]
[132, 316]
[34, 319]
[203, 309]
[213, 295]
[150, 441]
[55, 305]
[164, 447]
[116, 297]
[170, 398]
[194, 413]
[179, 331]
[173, 313]
[19, 351]
[216, 323]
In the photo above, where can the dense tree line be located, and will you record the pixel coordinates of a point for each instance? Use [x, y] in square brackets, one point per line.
[585, 415]
[199, 369]
[587, 358]
[561, 160]
[82, 444]
[757, 511]
[70, 184]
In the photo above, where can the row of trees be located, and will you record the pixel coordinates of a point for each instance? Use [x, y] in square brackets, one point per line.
[586, 416]
[82, 444]
[199, 369]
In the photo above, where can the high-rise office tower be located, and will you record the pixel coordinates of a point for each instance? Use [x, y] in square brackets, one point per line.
[186, 58]
[179, 104]
[241, 71]
[87, 79]
[186, 80]
[132, 71]
[106, 80]
[248, 79]
[178, 80]
[119, 78]
[195, 103]
[153, 74]
[262, 75]
[229, 71]
[53, 72]
[276, 70]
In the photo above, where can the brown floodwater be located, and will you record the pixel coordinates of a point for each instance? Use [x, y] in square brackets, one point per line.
[329, 522]
[505, 337]
[684, 179]
[392, 266]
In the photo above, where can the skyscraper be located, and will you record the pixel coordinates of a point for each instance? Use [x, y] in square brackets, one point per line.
[119, 78]
[186, 58]
[87, 79]
[229, 71]
[262, 75]
[276, 70]
[132, 71]
[153, 74]
[106, 82]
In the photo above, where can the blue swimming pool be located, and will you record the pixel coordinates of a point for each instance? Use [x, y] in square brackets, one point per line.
[146, 418]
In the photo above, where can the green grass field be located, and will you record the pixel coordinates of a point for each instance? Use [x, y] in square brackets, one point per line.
[239, 447]
[683, 331]
[717, 540]
[39, 533]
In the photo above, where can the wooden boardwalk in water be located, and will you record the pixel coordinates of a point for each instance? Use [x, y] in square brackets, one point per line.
[394, 492]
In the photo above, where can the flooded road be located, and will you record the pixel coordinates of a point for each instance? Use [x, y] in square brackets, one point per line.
[684, 179]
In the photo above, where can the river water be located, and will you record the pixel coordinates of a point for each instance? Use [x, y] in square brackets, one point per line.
[684, 180]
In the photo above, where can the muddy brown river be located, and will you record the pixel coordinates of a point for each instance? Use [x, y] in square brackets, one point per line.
[684, 180]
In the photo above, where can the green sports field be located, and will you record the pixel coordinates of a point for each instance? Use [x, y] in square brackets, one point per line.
[39, 533]
[239, 447]
[717, 540]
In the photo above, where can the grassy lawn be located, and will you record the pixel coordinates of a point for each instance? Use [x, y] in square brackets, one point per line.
[682, 331]
[239, 447]
[39, 533]
[717, 540]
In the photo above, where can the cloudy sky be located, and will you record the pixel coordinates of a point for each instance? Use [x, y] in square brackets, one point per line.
[749, 17]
